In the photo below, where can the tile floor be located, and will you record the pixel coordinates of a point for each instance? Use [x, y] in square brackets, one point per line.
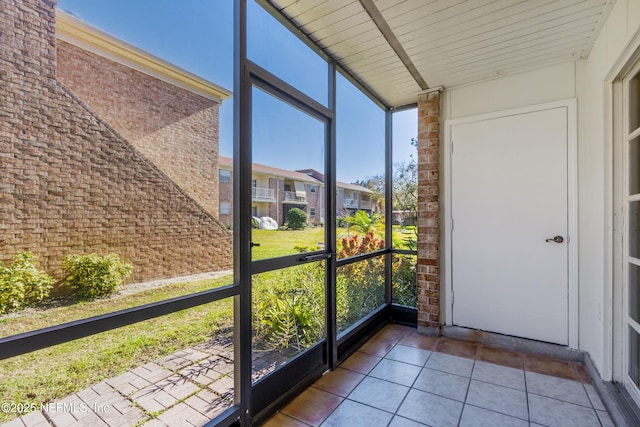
[401, 379]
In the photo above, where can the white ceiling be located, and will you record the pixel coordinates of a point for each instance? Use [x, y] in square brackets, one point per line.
[445, 42]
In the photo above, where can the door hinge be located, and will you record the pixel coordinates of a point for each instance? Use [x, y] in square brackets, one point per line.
[451, 147]
[451, 224]
[453, 297]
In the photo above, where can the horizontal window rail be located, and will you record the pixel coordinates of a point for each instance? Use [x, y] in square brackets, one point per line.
[362, 257]
[404, 252]
[41, 338]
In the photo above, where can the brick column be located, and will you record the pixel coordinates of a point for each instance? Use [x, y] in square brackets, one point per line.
[429, 213]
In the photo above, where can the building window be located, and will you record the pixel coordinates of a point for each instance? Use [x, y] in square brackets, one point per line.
[225, 208]
[225, 175]
[312, 211]
[312, 188]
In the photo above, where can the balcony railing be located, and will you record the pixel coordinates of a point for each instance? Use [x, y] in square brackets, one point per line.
[365, 204]
[267, 194]
[350, 203]
[291, 196]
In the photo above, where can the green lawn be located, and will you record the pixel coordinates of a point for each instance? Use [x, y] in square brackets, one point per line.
[276, 243]
[55, 372]
[58, 371]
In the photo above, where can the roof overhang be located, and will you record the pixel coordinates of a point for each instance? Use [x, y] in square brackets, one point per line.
[72, 30]
[398, 49]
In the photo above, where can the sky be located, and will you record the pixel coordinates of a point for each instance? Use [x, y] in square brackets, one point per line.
[197, 35]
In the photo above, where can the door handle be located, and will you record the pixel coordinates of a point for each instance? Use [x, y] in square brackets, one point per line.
[556, 239]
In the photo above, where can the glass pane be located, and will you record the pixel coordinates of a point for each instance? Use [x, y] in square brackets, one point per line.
[277, 50]
[359, 290]
[116, 181]
[180, 365]
[405, 179]
[634, 292]
[288, 179]
[634, 103]
[288, 314]
[634, 356]
[634, 229]
[634, 166]
[360, 170]
[405, 280]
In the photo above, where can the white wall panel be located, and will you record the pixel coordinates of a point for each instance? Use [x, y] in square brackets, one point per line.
[584, 80]
[534, 87]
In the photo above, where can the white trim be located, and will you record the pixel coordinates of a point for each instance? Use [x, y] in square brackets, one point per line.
[572, 205]
[78, 33]
[615, 342]
[624, 138]
[612, 363]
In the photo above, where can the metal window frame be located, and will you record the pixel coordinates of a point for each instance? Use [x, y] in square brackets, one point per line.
[246, 76]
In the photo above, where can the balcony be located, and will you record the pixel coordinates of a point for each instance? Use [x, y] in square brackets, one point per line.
[293, 197]
[365, 204]
[259, 194]
[350, 203]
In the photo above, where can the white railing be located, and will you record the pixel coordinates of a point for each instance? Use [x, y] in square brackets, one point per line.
[365, 204]
[258, 193]
[291, 196]
[350, 203]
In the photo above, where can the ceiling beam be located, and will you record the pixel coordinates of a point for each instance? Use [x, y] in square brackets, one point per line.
[393, 41]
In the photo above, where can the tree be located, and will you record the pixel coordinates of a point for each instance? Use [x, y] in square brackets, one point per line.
[376, 184]
[405, 184]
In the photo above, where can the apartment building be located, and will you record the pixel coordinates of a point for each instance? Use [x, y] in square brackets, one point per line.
[275, 191]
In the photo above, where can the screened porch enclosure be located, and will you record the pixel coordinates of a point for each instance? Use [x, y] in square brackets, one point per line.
[298, 192]
[187, 338]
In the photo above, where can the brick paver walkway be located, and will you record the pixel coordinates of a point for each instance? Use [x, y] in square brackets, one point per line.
[189, 387]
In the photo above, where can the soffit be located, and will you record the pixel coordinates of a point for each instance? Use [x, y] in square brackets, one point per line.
[78, 33]
[448, 42]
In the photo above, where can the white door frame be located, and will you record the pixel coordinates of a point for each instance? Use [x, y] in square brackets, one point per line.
[614, 348]
[572, 205]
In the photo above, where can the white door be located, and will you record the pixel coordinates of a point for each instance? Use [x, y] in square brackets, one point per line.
[508, 203]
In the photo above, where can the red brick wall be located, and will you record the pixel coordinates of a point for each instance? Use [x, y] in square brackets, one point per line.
[70, 184]
[428, 213]
[226, 195]
[314, 200]
[174, 128]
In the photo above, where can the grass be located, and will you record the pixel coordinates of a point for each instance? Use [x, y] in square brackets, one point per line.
[276, 243]
[58, 371]
[55, 372]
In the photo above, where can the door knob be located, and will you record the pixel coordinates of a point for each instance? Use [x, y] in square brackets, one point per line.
[556, 239]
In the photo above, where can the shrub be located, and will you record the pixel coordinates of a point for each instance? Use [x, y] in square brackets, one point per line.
[363, 222]
[359, 285]
[404, 280]
[22, 284]
[288, 307]
[92, 276]
[297, 219]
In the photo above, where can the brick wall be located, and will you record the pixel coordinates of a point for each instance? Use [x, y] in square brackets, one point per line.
[314, 200]
[226, 195]
[276, 210]
[428, 213]
[71, 184]
[174, 128]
